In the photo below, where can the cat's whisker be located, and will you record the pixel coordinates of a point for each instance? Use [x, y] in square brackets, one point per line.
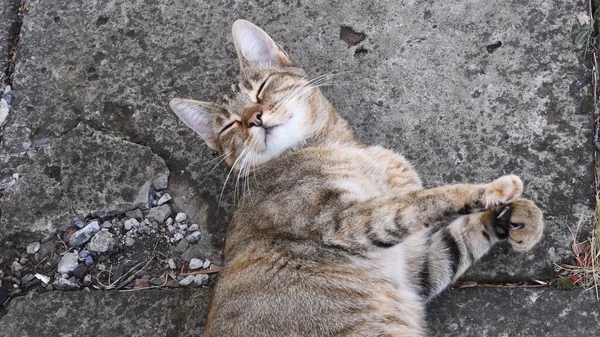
[228, 174]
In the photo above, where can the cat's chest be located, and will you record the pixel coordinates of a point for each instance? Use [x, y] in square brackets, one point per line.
[364, 173]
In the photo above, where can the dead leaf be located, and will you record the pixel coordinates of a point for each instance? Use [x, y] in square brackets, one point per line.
[350, 36]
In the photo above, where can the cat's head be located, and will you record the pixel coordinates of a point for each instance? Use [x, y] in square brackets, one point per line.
[273, 108]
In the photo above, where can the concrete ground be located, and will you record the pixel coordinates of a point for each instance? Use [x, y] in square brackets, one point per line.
[466, 90]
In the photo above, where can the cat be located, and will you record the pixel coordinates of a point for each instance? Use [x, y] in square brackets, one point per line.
[334, 237]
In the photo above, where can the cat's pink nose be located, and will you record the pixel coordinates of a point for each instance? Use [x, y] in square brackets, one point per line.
[255, 120]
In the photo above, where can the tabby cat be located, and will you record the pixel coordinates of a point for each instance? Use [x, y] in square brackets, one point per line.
[334, 237]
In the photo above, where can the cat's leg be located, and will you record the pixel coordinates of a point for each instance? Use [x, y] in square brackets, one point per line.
[386, 221]
[450, 251]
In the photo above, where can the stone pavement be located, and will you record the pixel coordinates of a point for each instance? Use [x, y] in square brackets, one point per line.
[466, 90]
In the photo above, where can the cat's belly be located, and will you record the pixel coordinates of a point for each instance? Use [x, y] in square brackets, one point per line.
[283, 295]
[365, 173]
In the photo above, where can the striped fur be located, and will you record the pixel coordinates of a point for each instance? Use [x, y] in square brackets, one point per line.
[333, 237]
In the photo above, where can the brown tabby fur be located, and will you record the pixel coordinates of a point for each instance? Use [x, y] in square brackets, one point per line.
[333, 237]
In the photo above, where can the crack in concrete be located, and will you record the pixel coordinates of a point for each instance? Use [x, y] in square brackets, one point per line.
[14, 47]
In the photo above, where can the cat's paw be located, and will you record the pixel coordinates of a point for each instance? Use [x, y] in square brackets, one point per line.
[501, 191]
[521, 223]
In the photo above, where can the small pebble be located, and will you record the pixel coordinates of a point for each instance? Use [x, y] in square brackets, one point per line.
[101, 266]
[178, 237]
[183, 227]
[87, 279]
[33, 248]
[42, 278]
[206, 264]
[89, 261]
[80, 271]
[136, 213]
[79, 223]
[172, 264]
[193, 237]
[104, 241]
[132, 222]
[193, 227]
[129, 241]
[15, 175]
[16, 267]
[170, 228]
[195, 279]
[169, 222]
[107, 224]
[27, 278]
[187, 280]
[85, 234]
[83, 254]
[66, 285]
[164, 199]
[180, 217]
[196, 263]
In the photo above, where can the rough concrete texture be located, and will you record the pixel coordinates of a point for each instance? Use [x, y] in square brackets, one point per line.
[82, 173]
[178, 313]
[498, 312]
[467, 90]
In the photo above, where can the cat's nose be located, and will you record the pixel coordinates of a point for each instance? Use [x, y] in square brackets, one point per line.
[255, 120]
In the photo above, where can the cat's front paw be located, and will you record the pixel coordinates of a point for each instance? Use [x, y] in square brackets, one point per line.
[501, 191]
[521, 223]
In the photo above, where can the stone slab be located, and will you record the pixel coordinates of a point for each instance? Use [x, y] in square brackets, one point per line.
[499, 312]
[467, 90]
[84, 173]
[179, 313]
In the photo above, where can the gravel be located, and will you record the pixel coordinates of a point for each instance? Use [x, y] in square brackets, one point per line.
[64, 284]
[180, 217]
[159, 214]
[68, 263]
[196, 263]
[193, 237]
[85, 234]
[103, 242]
[164, 199]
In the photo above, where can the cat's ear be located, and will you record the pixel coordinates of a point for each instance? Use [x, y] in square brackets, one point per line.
[255, 47]
[199, 116]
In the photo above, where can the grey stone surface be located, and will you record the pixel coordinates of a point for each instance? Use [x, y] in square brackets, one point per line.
[423, 83]
[84, 172]
[171, 313]
[498, 312]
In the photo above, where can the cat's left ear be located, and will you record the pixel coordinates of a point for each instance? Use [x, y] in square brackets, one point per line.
[199, 116]
[255, 47]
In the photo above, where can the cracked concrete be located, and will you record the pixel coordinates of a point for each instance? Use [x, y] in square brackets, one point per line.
[83, 173]
[467, 91]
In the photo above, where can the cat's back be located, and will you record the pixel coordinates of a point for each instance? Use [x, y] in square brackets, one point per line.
[279, 277]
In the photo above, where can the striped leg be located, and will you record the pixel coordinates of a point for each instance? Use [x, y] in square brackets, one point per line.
[453, 249]
[384, 222]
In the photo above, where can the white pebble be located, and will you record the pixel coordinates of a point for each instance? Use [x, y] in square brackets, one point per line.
[15, 175]
[178, 236]
[169, 222]
[164, 199]
[33, 247]
[193, 227]
[129, 241]
[180, 217]
[196, 263]
[42, 278]
[206, 264]
[183, 227]
[172, 264]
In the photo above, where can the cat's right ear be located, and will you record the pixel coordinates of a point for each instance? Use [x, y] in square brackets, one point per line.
[199, 116]
[255, 47]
